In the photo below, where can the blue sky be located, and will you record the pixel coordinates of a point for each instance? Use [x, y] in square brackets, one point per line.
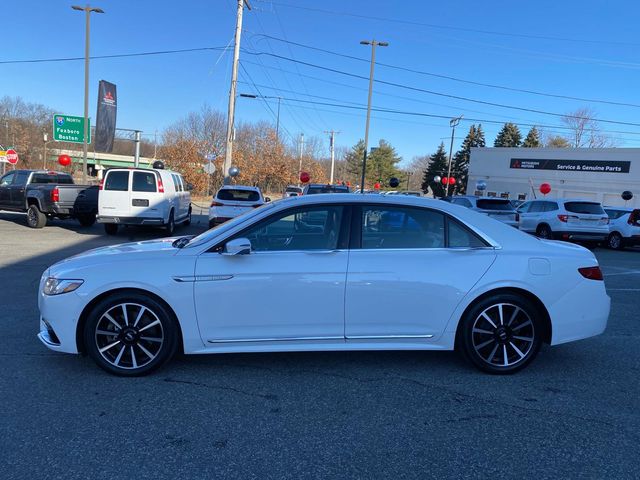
[574, 48]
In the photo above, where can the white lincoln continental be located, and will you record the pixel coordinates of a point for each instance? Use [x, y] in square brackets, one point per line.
[327, 272]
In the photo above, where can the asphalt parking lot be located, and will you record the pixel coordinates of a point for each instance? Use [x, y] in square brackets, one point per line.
[573, 413]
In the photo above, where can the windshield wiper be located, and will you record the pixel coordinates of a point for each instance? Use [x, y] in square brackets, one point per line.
[182, 241]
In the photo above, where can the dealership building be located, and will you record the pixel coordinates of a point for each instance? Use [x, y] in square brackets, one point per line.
[600, 174]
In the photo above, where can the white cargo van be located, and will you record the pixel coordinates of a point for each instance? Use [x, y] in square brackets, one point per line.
[141, 196]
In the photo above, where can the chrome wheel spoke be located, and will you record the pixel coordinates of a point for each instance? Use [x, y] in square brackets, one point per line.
[525, 339]
[110, 318]
[482, 331]
[484, 344]
[124, 314]
[501, 314]
[493, 353]
[486, 317]
[513, 316]
[152, 339]
[107, 333]
[522, 355]
[147, 352]
[133, 357]
[117, 360]
[156, 322]
[140, 313]
[528, 322]
[506, 357]
[111, 345]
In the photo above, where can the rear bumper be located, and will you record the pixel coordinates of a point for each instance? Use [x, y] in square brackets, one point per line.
[581, 236]
[130, 220]
[213, 221]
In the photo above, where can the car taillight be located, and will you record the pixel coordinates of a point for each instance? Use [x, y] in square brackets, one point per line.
[160, 185]
[55, 195]
[217, 204]
[101, 184]
[633, 218]
[563, 218]
[517, 217]
[592, 273]
[605, 220]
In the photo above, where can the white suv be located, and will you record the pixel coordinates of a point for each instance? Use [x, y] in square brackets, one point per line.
[624, 227]
[498, 208]
[142, 196]
[565, 219]
[233, 200]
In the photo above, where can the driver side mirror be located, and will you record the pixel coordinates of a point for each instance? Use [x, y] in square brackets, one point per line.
[237, 246]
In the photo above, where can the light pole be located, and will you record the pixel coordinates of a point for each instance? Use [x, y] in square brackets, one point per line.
[251, 95]
[87, 10]
[453, 123]
[45, 137]
[373, 44]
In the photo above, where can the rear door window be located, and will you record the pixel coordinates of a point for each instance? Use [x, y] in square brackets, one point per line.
[233, 195]
[144, 182]
[387, 227]
[615, 214]
[462, 237]
[536, 207]
[498, 205]
[41, 178]
[117, 181]
[588, 208]
[64, 179]
[550, 206]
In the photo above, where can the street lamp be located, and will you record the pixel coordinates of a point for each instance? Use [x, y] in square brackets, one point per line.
[373, 44]
[453, 123]
[87, 10]
[45, 138]
[251, 95]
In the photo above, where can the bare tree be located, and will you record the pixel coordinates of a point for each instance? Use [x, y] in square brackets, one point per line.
[585, 131]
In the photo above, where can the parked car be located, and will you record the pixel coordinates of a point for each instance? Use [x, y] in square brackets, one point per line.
[500, 293]
[565, 219]
[292, 191]
[498, 208]
[46, 194]
[142, 196]
[313, 188]
[624, 227]
[233, 200]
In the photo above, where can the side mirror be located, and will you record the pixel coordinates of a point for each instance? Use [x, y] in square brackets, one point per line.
[189, 186]
[267, 199]
[237, 246]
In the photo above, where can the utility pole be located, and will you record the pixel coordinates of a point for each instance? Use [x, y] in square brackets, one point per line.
[228, 153]
[301, 147]
[136, 156]
[373, 44]
[332, 135]
[453, 124]
[87, 10]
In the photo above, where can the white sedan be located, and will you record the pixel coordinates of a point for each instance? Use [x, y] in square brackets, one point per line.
[360, 272]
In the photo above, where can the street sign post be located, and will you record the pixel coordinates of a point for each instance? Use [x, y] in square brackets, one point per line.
[67, 128]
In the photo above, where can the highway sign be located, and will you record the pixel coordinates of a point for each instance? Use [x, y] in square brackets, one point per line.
[67, 128]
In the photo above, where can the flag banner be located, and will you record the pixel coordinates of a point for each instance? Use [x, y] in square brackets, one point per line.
[106, 117]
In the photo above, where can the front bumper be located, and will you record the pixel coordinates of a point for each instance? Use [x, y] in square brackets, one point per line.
[130, 220]
[59, 316]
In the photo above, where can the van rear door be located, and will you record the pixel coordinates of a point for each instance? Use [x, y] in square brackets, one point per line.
[146, 199]
[114, 199]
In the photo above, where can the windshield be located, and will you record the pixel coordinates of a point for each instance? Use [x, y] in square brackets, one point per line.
[501, 205]
[589, 208]
[215, 231]
[293, 189]
[238, 195]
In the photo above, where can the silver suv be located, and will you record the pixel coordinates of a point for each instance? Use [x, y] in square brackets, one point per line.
[498, 208]
[565, 219]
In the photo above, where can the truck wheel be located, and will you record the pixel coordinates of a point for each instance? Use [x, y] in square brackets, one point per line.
[110, 228]
[87, 219]
[171, 224]
[187, 222]
[35, 218]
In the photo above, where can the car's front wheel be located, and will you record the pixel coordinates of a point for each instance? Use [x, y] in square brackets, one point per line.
[501, 334]
[130, 334]
[544, 231]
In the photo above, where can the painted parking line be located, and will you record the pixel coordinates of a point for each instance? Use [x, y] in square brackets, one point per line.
[623, 289]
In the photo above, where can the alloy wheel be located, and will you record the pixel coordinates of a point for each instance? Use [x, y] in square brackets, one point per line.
[503, 335]
[129, 336]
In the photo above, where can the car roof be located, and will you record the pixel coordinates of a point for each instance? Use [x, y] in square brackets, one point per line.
[240, 187]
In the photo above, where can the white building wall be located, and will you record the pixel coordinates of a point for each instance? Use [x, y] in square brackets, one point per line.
[572, 172]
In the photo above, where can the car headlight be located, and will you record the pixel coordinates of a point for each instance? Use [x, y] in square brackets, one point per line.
[56, 286]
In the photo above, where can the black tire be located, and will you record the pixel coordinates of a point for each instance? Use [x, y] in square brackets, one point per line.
[87, 219]
[35, 218]
[485, 343]
[544, 231]
[131, 354]
[615, 241]
[212, 223]
[170, 226]
[110, 228]
[187, 222]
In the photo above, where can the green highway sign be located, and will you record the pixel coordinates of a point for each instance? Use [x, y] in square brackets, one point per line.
[67, 128]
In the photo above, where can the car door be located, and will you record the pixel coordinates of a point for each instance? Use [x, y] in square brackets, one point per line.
[529, 212]
[406, 275]
[5, 190]
[289, 288]
[18, 190]
[114, 199]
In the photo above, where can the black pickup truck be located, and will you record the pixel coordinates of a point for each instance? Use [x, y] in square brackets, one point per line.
[44, 194]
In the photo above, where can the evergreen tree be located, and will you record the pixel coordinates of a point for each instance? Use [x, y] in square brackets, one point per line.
[509, 136]
[460, 167]
[533, 139]
[438, 164]
[381, 163]
[353, 161]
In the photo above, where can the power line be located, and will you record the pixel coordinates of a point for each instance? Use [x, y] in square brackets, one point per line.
[455, 79]
[440, 94]
[450, 27]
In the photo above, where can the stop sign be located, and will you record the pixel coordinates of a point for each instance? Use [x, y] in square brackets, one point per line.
[12, 157]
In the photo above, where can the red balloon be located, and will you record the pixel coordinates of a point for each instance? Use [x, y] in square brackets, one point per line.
[445, 180]
[377, 186]
[304, 177]
[348, 184]
[64, 160]
[452, 181]
[545, 188]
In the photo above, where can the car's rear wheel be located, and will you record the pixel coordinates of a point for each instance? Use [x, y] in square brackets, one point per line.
[615, 241]
[87, 219]
[501, 334]
[35, 218]
[130, 334]
[110, 228]
[187, 222]
[544, 231]
[171, 224]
